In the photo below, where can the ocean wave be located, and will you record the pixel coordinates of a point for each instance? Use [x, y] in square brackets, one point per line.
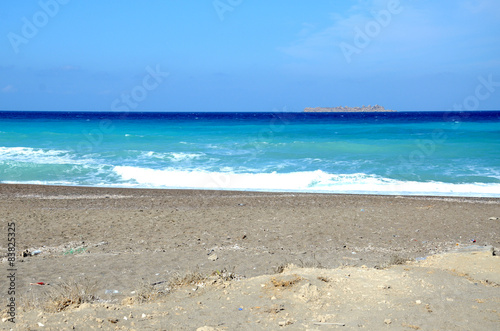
[172, 156]
[305, 181]
[185, 156]
[35, 155]
[29, 151]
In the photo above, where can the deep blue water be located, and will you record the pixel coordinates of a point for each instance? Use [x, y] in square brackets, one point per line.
[422, 153]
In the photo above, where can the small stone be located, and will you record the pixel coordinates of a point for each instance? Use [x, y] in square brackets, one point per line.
[285, 323]
[418, 302]
[213, 257]
[40, 324]
[205, 328]
[99, 320]
[273, 298]
[387, 321]
[494, 218]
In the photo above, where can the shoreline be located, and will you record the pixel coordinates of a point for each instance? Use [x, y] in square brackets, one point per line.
[69, 188]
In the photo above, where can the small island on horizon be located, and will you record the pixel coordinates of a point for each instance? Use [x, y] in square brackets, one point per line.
[345, 109]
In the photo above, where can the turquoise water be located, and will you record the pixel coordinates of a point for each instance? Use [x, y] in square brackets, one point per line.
[418, 153]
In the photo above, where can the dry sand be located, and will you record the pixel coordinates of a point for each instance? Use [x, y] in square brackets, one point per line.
[342, 248]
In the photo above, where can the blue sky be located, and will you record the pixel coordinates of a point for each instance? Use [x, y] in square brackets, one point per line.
[242, 55]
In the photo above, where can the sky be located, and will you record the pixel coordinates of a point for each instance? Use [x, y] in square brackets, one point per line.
[242, 55]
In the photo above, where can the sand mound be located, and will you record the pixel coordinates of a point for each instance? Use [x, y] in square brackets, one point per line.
[458, 290]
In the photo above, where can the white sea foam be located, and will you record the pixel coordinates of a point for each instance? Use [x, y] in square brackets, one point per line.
[307, 181]
[172, 156]
[35, 155]
[29, 151]
[185, 156]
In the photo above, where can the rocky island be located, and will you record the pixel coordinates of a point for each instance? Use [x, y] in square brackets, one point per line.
[362, 109]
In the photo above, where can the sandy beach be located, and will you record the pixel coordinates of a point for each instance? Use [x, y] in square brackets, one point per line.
[263, 260]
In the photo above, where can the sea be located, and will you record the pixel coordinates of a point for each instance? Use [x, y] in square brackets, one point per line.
[390, 153]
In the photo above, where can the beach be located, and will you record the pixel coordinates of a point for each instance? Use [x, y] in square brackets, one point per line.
[122, 239]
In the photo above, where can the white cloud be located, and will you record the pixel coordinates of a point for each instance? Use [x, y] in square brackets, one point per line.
[488, 7]
[316, 43]
[421, 36]
[9, 89]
